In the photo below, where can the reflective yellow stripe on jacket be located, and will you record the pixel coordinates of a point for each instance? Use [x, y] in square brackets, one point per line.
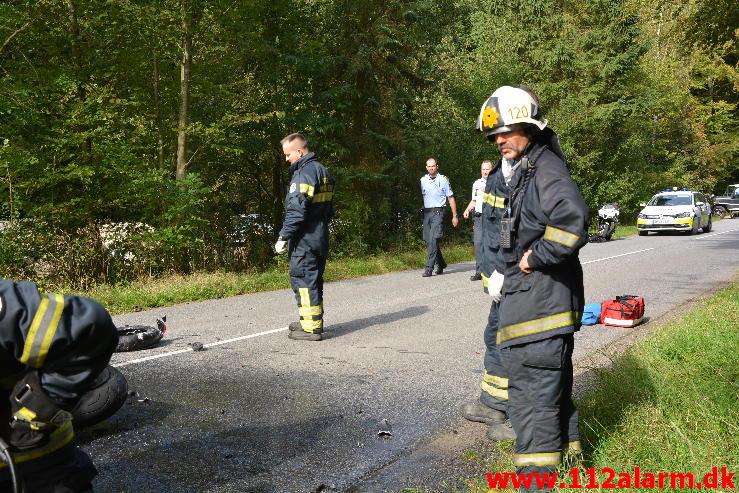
[42, 330]
[538, 325]
[560, 236]
[493, 200]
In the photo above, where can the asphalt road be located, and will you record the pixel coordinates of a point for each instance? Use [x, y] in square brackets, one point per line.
[257, 412]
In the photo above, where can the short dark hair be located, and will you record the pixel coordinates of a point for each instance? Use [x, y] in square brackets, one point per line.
[296, 136]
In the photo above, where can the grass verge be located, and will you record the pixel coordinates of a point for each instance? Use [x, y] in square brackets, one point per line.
[175, 289]
[668, 404]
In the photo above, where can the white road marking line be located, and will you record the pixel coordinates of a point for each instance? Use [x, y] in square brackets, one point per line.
[716, 234]
[189, 350]
[615, 256]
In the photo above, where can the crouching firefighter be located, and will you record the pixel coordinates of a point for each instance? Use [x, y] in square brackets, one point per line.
[492, 406]
[542, 230]
[52, 347]
[304, 234]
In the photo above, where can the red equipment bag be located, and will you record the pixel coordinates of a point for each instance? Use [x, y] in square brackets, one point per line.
[624, 311]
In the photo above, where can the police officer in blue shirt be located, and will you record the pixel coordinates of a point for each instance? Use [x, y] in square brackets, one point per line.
[436, 191]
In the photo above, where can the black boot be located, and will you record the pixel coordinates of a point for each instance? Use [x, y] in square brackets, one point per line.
[301, 335]
[426, 273]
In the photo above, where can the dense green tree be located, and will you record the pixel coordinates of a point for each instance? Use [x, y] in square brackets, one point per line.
[168, 115]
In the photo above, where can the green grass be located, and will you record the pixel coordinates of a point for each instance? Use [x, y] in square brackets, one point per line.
[175, 289]
[623, 230]
[668, 404]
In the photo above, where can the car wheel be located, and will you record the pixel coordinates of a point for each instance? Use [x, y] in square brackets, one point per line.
[107, 394]
[643, 233]
[719, 211]
[707, 228]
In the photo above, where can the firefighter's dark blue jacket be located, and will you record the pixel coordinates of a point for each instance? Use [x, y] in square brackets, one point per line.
[553, 224]
[494, 203]
[308, 206]
[68, 339]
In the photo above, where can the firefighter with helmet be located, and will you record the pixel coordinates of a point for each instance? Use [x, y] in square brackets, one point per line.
[543, 227]
[52, 347]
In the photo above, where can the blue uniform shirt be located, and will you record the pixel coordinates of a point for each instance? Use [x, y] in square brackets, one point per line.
[435, 190]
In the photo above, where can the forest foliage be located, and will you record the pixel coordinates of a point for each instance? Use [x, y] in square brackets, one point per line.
[139, 138]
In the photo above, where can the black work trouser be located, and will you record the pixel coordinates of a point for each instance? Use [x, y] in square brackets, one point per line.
[72, 473]
[433, 231]
[540, 403]
[306, 279]
[477, 240]
[494, 383]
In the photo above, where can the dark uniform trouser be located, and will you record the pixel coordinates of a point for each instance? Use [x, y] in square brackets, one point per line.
[306, 279]
[433, 230]
[477, 240]
[494, 384]
[540, 403]
[71, 473]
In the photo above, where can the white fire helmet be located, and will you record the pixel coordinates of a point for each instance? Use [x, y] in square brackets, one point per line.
[509, 108]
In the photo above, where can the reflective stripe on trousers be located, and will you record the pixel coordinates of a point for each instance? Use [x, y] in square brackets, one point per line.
[540, 403]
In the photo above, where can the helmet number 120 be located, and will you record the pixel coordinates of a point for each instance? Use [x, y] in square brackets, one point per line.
[520, 111]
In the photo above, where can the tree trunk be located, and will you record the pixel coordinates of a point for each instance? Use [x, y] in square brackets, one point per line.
[158, 116]
[184, 91]
[74, 37]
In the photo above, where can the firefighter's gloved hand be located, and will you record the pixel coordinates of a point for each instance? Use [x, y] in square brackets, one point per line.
[281, 246]
[34, 415]
[495, 286]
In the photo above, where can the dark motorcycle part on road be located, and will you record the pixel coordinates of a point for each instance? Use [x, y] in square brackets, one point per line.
[135, 337]
[106, 396]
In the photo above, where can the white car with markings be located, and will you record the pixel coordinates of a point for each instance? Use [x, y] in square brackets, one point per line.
[675, 210]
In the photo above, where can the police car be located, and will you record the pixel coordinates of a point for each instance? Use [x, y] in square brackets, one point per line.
[675, 210]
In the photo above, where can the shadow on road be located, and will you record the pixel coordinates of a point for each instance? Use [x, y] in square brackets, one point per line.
[341, 329]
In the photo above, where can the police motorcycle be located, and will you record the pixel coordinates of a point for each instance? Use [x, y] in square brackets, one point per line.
[607, 221]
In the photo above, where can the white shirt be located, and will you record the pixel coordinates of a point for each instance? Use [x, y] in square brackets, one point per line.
[478, 190]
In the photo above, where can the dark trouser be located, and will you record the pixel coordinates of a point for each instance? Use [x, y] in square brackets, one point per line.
[540, 403]
[72, 474]
[494, 384]
[477, 240]
[433, 231]
[306, 279]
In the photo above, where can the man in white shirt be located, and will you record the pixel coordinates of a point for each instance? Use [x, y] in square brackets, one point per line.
[475, 208]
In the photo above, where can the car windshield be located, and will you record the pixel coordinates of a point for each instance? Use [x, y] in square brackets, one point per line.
[670, 200]
[731, 189]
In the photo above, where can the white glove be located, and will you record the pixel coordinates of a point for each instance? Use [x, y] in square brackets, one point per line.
[281, 246]
[495, 286]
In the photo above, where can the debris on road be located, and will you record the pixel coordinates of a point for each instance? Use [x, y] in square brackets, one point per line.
[385, 430]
